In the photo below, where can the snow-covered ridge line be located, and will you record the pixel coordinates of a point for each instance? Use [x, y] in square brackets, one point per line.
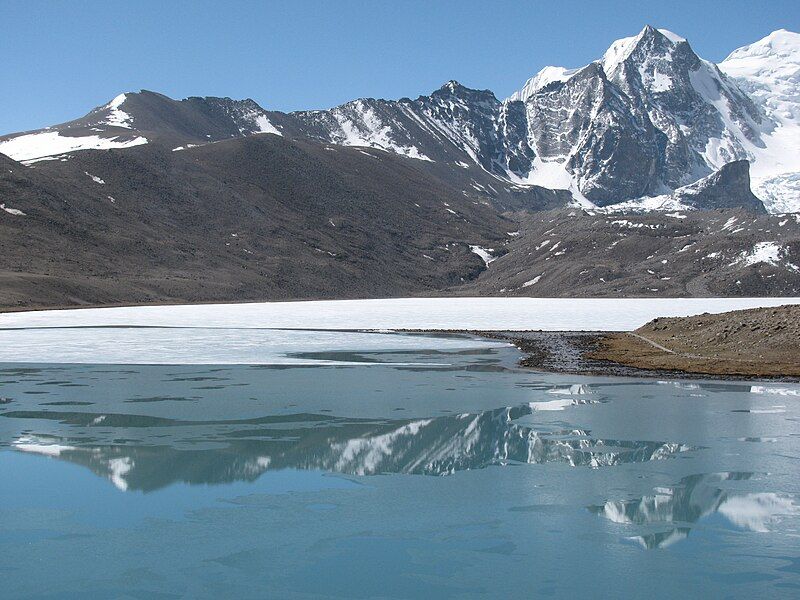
[552, 314]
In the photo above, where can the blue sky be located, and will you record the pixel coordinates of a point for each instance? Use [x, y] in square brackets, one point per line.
[60, 59]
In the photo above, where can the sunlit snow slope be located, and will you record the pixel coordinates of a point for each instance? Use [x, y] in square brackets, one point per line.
[769, 71]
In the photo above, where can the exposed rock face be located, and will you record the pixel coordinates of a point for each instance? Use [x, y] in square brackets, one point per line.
[641, 120]
[727, 188]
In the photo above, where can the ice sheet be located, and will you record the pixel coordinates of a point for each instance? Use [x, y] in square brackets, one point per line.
[218, 346]
[551, 314]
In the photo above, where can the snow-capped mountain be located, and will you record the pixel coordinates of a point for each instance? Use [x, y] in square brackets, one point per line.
[769, 72]
[648, 117]
[645, 119]
[134, 119]
[454, 124]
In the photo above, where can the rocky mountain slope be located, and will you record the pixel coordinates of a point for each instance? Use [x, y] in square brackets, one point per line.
[577, 253]
[247, 218]
[266, 217]
[647, 118]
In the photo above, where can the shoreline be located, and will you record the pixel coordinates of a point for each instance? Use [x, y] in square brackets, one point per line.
[579, 353]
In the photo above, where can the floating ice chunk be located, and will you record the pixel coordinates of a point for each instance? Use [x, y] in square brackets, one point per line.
[36, 445]
[573, 390]
[779, 391]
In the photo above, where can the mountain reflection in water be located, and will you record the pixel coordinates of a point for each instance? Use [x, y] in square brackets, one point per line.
[435, 446]
[675, 510]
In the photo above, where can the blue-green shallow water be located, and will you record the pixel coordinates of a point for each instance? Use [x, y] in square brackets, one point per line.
[393, 482]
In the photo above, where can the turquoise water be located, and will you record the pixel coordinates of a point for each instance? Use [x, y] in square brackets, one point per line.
[447, 473]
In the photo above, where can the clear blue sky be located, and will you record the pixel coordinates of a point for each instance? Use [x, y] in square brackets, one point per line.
[61, 58]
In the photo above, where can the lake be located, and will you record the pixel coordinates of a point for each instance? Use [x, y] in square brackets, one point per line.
[367, 464]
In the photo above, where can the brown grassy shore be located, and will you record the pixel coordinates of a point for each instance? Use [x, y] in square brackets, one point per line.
[759, 342]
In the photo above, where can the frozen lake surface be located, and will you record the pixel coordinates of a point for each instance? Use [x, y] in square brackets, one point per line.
[553, 314]
[273, 332]
[382, 465]
[201, 345]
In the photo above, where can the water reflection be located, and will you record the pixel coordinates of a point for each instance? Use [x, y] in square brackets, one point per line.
[244, 449]
[675, 510]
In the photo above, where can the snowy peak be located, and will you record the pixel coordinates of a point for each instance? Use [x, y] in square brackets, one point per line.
[106, 127]
[768, 65]
[659, 118]
[659, 42]
[113, 114]
[778, 45]
[769, 72]
[453, 89]
[663, 40]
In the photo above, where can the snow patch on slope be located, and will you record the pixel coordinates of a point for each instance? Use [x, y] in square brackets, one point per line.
[264, 125]
[116, 116]
[36, 146]
[484, 253]
[12, 211]
[375, 133]
[770, 253]
[663, 203]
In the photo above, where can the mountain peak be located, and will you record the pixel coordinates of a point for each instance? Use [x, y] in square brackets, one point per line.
[451, 86]
[454, 88]
[780, 43]
[621, 49]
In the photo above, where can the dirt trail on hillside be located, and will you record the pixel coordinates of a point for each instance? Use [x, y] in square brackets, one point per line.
[760, 342]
